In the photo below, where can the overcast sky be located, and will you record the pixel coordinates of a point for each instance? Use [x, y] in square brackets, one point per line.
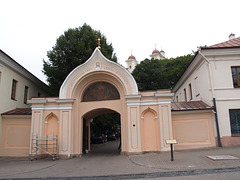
[29, 28]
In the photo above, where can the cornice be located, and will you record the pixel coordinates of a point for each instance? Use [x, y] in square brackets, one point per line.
[16, 116]
[221, 52]
[164, 94]
[148, 103]
[52, 108]
[37, 101]
[137, 96]
[65, 100]
[44, 101]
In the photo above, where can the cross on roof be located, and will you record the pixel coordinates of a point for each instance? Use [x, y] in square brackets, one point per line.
[99, 44]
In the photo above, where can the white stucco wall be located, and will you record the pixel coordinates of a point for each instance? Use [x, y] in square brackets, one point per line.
[227, 97]
[199, 79]
[10, 70]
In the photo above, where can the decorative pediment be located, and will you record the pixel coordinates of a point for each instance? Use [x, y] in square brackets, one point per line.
[98, 63]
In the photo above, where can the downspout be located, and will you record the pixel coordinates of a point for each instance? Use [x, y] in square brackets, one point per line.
[214, 100]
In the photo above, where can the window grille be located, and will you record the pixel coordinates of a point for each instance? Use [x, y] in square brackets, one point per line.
[235, 121]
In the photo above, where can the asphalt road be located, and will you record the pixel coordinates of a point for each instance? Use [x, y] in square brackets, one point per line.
[105, 162]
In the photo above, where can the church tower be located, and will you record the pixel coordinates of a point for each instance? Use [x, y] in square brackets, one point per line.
[131, 63]
[158, 54]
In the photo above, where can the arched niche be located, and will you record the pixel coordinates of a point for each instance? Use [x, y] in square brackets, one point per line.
[150, 135]
[149, 110]
[51, 125]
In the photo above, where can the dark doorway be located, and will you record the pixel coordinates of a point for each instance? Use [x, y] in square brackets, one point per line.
[105, 134]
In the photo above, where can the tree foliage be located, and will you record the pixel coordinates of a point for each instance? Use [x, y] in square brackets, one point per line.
[160, 74]
[73, 48]
[105, 122]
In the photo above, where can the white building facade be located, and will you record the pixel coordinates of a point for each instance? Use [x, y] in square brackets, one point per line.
[214, 78]
[17, 85]
[131, 63]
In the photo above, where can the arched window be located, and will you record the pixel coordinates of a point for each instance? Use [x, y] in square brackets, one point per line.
[100, 91]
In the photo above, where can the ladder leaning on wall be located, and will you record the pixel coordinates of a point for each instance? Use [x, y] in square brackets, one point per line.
[44, 145]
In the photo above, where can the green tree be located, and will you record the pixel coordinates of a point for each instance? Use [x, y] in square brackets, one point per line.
[105, 122]
[73, 48]
[175, 67]
[149, 75]
[160, 74]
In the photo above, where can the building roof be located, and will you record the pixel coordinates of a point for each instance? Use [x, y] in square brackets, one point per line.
[19, 111]
[14, 65]
[155, 51]
[131, 57]
[190, 106]
[233, 43]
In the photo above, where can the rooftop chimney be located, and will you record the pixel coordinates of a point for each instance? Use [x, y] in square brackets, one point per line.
[231, 36]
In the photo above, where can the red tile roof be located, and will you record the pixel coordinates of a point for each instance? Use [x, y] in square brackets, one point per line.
[189, 106]
[233, 43]
[131, 57]
[19, 111]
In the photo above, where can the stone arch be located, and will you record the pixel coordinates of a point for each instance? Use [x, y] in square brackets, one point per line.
[96, 112]
[98, 63]
[96, 69]
[81, 108]
[95, 77]
[150, 135]
[51, 127]
[87, 118]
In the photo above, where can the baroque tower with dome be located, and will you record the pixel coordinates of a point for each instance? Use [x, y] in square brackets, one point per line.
[158, 54]
[131, 63]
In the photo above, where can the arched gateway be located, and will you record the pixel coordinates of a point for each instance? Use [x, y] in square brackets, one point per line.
[100, 86]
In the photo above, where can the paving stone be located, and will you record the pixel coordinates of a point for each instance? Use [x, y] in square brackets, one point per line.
[222, 157]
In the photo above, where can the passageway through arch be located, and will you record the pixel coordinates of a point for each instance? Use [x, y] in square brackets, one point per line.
[101, 132]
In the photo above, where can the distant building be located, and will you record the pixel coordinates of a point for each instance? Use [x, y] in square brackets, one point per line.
[131, 63]
[214, 77]
[158, 54]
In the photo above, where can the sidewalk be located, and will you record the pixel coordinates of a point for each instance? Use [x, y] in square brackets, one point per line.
[110, 165]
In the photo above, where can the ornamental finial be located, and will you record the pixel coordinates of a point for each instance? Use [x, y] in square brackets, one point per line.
[99, 47]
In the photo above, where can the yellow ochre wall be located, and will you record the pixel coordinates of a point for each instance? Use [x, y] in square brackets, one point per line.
[193, 129]
[15, 139]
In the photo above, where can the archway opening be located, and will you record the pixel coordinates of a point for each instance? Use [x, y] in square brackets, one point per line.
[102, 132]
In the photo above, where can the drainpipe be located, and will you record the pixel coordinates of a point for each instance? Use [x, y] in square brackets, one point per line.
[213, 96]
